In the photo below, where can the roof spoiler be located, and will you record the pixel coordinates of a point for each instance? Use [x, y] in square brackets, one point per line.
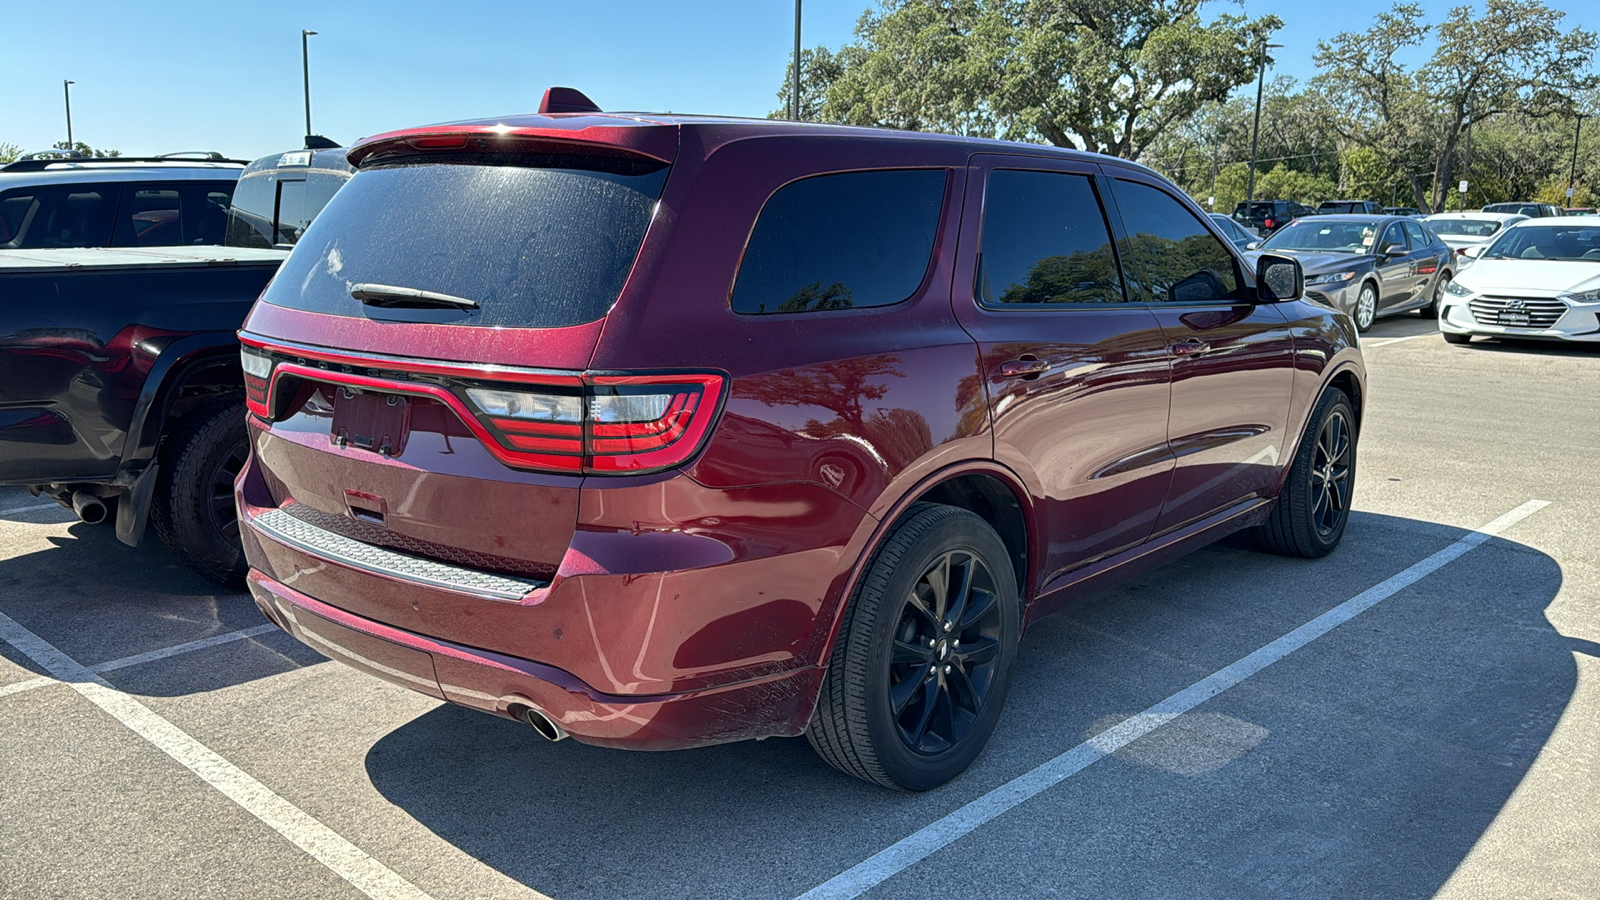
[566, 100]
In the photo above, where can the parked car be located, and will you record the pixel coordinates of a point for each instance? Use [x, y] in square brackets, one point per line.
[120, 388]
[121, 395]
[698, 430]
[1237, 234]
[1368, 266]
[1266, 216]
[1349, 207]
[1461, 230]
[1537, 279]
[1525, 208]
[1578, 211]
[1411, 211]
[57, 201]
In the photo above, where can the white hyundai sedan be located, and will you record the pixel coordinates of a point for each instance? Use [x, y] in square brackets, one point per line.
[1537, 279]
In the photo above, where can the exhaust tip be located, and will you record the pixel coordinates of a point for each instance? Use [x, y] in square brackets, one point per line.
[543, 724]
[89, 508]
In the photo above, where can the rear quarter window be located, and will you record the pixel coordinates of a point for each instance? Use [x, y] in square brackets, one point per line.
[843, 241]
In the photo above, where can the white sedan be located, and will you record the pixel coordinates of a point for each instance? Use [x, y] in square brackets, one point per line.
[1537, 279]
[1460, 230]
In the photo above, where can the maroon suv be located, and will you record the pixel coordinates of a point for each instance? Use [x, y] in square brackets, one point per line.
[664, 431]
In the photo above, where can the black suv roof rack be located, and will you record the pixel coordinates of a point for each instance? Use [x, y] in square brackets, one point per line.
[43, 159]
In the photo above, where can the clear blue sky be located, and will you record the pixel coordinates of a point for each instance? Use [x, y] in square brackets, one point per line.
[161, 76]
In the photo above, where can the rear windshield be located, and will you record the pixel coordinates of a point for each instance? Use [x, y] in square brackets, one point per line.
[1465, 227]
[1331, 207]
[546, 243]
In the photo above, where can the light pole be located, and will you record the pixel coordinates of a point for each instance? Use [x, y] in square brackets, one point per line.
[794, 102]
[305, 68]
[66, 89]
[1255, 131]
[1572, 174]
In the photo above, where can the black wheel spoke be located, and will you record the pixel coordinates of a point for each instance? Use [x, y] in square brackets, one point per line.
[978, 608]
[960, 592]
[903, 693]
[977, 652]
[920, 606]
[938, 579]
[929, 693]
[907, 653]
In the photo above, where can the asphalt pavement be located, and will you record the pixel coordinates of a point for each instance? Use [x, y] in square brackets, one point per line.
[1416, 715]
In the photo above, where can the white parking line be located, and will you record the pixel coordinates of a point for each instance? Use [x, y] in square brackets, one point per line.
[32, 507]
[150, 656]
[1409, 337]
[881, 866]
[348, 861]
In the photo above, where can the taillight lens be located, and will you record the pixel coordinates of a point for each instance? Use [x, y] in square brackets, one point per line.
[1270, 222]
[257, 375]
[554, 422]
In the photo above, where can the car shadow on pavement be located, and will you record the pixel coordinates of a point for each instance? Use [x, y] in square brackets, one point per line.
[1571, 349]
[1367, 763]
[98, 600]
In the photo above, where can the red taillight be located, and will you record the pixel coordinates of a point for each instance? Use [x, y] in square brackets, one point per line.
[440, 142]
[1270, 222]
[553, 422]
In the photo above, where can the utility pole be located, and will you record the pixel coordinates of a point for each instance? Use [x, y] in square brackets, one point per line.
[1255, 131]
[66, 89]
[1572, 174]
[794, 104]
[305, 69]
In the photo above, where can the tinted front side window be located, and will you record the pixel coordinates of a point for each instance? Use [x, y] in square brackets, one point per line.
[1392, 237]
[1419, 238]
[1045, 241]
[542, 245]
[1172, 257]
[845, 241]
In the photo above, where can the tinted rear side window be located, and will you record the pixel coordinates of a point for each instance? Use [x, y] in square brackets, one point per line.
[1044, 241]
[61, 216]
[843, 241]
[534, 246]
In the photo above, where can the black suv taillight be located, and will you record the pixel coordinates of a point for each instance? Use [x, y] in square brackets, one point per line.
[594, 423]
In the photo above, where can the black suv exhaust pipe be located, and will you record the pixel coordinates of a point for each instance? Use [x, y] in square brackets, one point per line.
[90, 509]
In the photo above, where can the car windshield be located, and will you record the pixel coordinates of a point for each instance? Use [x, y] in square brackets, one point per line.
[1331, 237]
[1465, 227]
[1569, 243]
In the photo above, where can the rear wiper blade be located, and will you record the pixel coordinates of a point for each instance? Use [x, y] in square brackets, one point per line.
[389, 296]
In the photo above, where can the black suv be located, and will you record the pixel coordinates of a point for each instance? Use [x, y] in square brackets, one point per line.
[1349, 208]
[50, 201]
[1267, 216]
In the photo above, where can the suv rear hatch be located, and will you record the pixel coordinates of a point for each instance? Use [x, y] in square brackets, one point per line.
[416, 371]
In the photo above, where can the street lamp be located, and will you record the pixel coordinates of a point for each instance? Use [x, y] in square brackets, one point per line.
[66, 89]
[305, 68]
[1255, 132]
[794, 104]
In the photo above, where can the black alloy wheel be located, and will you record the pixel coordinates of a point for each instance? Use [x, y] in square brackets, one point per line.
[946, 650]
[1331, 469]
[919, 671]
[1313, 506]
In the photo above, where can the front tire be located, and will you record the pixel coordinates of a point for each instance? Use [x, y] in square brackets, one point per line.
[1366, 311]
[1313, 507]
[919, 671]
[193, 510]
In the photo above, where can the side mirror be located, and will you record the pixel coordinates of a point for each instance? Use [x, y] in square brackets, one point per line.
[1473, 252]
[1253, 245]
[1279, 279]
[1394, 250]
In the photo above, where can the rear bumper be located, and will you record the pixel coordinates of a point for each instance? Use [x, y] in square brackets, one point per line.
[494, 683]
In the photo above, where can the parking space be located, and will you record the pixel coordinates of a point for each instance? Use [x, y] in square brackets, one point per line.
[1444, 740]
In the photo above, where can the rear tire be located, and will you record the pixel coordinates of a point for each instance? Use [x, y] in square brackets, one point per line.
[1313, 507]
[193, 508]
[1431, 311]
[919, 671]
[1451, 338]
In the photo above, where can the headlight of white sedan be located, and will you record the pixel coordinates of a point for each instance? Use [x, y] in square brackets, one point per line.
[1455, 289]
[1330, 278]
[1585, 297]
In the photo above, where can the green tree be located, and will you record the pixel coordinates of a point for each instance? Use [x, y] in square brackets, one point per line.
[86, 150]
[1369, 176]
[9, 153]
[1104, 76]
